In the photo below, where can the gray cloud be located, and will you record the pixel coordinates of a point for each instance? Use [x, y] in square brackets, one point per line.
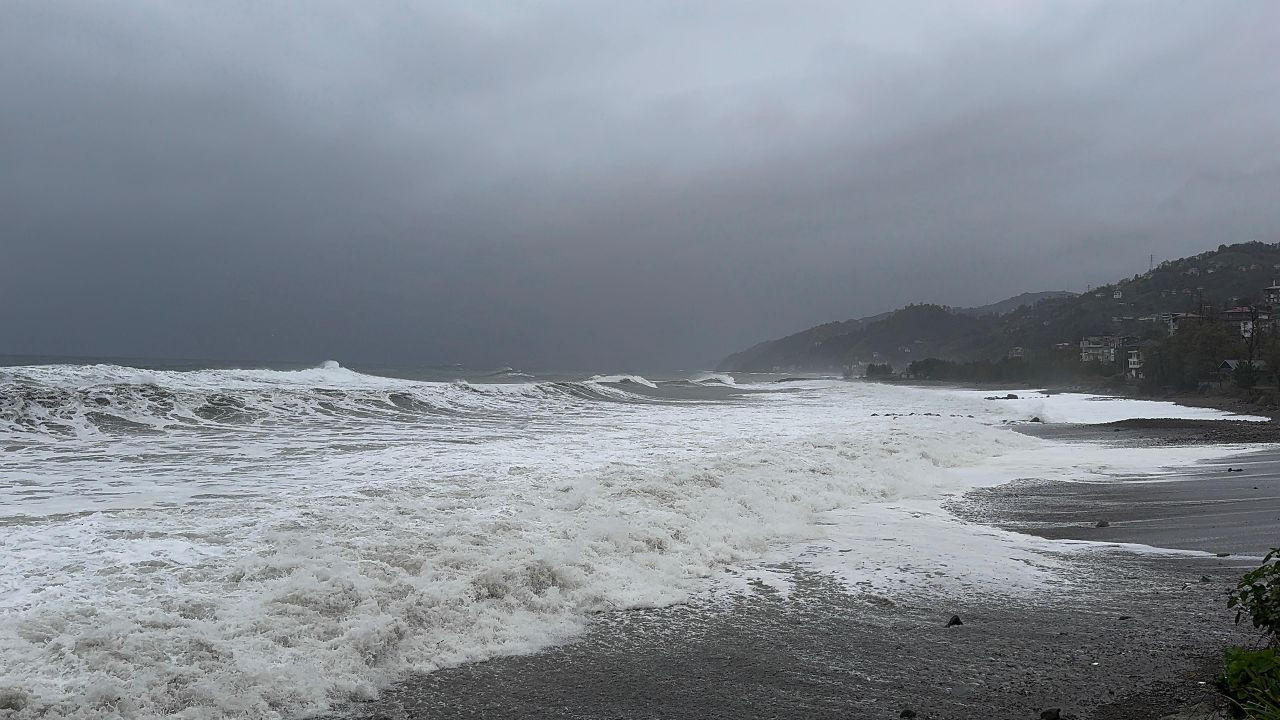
[576, 184]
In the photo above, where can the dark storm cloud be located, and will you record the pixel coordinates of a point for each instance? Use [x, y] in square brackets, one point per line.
[584, 184]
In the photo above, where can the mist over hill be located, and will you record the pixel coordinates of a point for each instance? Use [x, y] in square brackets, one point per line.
[1219, 278]
[1008, 305]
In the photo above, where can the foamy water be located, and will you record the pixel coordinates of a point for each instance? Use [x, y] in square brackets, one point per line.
[256, 543]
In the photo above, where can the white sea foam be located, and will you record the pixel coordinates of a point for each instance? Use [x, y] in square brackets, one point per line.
[714, 379]
[241, 543]
[1084, 408]
[622, 379]
[913, 543]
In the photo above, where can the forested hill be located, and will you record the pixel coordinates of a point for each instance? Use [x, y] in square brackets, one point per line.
[1007, 306]
[1220, 278]
[831, 345]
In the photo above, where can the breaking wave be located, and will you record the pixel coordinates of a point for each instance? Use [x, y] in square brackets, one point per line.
[714, 379]
[268, 544]
[623, 380]
[105, 399]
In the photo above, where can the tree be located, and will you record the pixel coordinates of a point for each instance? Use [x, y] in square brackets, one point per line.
[879, 372]
[1271, 356]
[1190, 355]
[1245, 375]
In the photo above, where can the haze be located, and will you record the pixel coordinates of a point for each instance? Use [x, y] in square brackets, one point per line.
[591, 185]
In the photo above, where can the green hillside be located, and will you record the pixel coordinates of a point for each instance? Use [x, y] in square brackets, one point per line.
[1216, 279]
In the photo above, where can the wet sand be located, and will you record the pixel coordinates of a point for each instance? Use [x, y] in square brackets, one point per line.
[1123, 636]
[1227, 506]
[1091, 650]
[1147, 432]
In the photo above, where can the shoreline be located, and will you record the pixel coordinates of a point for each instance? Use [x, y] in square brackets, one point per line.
[1214, 401]
[823, 652]
[1125, 634]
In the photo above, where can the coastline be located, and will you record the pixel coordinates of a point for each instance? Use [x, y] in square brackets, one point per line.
[1126, 635]
[1096, 651]
[1257, 403]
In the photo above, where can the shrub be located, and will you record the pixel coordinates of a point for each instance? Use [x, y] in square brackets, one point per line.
[1252, 682]
[1252, 679]
[1258, 596]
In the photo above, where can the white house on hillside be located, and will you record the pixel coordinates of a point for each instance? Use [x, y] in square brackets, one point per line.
[1135, 364]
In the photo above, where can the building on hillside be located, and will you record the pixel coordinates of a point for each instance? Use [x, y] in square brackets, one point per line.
[1136, 361]
[1099, 348]
[1245, 320]
[1118, 294]
[1271, 295]
[1229, 366]
[1173, 321]
[1015, 353]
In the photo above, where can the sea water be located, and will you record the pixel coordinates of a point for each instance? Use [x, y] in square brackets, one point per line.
[268, 543]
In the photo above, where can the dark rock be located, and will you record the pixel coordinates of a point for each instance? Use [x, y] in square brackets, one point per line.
[1205, 578]
[1010, 396]
[1103, 523]
[907, 713]
[1125, 617]
[955, 620]
[1223, 554]
[1051, 714]
[1036, 419]
[13, 699]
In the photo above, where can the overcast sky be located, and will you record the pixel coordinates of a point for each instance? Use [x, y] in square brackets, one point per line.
[602, 185]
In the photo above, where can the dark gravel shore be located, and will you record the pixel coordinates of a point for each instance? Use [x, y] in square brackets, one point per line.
[1161, 431]
[1128, 638]
[1228, 506]
[1122, 636]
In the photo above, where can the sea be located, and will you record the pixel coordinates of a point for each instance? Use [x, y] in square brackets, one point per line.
[179, 540]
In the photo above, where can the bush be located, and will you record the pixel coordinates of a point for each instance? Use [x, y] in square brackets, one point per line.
[1252, 682]
[1252, 679]
[1258, 596]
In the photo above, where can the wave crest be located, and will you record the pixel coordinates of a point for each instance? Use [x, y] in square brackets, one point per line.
[115, 400]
